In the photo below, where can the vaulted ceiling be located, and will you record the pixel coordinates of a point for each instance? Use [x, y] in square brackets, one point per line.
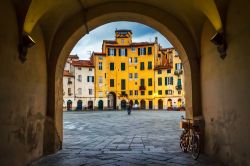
[51, 15]
[190, 12]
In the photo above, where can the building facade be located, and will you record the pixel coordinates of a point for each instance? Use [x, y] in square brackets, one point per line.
[143, 74]
[78, 84]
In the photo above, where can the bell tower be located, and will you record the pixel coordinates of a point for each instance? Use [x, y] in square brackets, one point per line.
[123, 36]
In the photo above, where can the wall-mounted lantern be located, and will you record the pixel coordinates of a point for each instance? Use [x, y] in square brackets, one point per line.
[219, 40]
[25, 43]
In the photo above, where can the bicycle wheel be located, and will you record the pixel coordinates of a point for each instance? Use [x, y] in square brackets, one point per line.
[183, 143]
[195, 146]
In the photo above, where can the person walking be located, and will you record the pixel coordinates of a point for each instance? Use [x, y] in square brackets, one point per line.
[129, 109]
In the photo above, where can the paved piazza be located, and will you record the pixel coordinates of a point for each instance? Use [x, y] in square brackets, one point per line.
[115, 138]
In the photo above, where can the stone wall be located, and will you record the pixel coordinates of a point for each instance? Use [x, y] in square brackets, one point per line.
[225, 89]
[23, 93]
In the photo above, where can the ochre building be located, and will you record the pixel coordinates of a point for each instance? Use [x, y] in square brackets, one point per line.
[143, 74]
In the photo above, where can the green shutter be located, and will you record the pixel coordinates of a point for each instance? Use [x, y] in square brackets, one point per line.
[149, 50]
[179, 82]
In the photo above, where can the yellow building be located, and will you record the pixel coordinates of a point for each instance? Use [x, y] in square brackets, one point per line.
[134, 73]
[169, 77]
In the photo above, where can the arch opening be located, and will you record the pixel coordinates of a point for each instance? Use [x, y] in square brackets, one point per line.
[61, 53]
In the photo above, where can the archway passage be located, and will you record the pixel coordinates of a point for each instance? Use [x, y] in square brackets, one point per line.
[143, 104]
[123, 104]
[100, 105]
[188, 24]
[90, 105]
[179, 103]
[131, 103]
[79, 105]
[69, 105]
[150, 104]
[169, 104]
[112, 100]
[160, 104]
[136, 105]
[71, 28]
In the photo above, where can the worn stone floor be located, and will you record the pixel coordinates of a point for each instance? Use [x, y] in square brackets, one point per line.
[115, 138]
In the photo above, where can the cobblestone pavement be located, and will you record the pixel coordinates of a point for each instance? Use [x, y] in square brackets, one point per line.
[115, 138]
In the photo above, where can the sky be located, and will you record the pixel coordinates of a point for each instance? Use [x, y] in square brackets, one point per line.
[93, 41]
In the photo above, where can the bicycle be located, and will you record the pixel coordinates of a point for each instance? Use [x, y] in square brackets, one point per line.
[190, 138]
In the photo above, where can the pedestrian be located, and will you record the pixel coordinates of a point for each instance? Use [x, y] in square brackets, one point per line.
[129, 109]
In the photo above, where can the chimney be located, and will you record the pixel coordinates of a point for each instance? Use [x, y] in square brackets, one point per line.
[156, 40]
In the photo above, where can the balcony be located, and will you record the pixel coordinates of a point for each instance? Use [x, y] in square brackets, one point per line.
[178, 87]
[178, 72]
[69, 82]
[142, 88]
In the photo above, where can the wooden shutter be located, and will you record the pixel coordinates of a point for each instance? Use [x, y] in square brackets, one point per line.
[179, 82]
[144, 51]
[119, 52]
[149, 50]
[114, 52]
[125, 52]
[139, 51]
[108, 51]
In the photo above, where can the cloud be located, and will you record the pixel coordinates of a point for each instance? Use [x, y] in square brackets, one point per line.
[93, 41]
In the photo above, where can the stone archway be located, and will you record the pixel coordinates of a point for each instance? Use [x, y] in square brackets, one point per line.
[180, 38]
[56, 31]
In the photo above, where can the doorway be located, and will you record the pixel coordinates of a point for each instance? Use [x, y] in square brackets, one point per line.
[100, 105]
[150, 104]
[69, 105]
[79, 105]
[160, 104]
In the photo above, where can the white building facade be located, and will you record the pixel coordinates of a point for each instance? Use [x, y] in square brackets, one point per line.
[78, 84]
